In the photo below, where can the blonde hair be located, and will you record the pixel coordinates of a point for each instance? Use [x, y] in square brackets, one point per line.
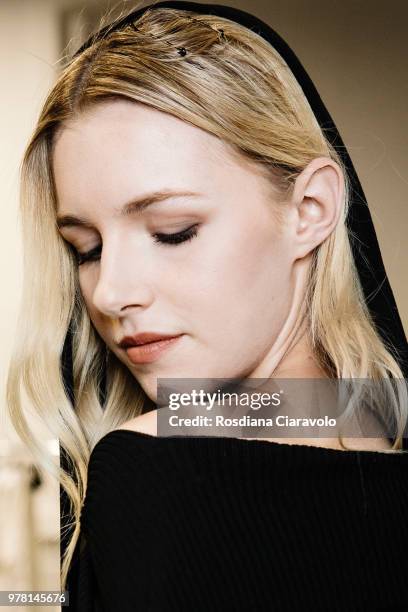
[222, 87]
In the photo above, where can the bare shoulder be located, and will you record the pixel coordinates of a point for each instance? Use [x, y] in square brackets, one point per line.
[369, 444]
[363, 444]
[144, 423]
[147, 423]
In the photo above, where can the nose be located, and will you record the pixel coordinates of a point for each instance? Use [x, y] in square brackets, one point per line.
[121, 283]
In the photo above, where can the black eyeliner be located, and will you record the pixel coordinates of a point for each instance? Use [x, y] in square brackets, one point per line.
[177, 238]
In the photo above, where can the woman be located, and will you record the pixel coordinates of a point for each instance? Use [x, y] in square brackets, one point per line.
[183, 187]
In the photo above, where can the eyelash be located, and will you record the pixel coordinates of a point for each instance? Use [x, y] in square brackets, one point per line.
[170, 239]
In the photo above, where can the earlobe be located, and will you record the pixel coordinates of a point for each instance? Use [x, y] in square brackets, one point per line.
[318, 200]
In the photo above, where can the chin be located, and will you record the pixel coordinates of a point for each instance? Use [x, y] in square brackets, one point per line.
[149, 387]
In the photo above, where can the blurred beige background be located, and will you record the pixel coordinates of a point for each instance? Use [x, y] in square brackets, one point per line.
[356, 53]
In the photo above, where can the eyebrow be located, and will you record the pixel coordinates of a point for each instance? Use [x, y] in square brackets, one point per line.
[134, 206]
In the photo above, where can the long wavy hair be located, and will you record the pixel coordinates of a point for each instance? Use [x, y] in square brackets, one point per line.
[238, 89]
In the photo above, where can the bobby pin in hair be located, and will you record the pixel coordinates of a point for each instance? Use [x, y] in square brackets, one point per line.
[182, 50]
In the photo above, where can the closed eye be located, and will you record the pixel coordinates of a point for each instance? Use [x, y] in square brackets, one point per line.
[170, 239]
[188, 234]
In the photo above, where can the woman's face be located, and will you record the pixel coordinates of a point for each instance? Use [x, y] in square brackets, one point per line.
[223, 283]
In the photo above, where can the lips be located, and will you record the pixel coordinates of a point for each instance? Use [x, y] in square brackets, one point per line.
[147, 347]
[144, 338]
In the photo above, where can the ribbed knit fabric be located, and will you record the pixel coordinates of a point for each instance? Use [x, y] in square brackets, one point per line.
[208, 524]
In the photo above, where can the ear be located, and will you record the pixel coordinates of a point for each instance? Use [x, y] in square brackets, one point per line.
[317, 203]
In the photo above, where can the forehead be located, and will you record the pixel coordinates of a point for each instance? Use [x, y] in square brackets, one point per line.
[118, 151]
[121, 142]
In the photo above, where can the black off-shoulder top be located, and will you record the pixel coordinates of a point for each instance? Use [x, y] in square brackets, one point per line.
[208, 524]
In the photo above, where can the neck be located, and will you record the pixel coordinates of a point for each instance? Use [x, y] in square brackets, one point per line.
[291, 355]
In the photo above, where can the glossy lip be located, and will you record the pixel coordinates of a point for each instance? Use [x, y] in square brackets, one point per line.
[147, 347]
[144, 338]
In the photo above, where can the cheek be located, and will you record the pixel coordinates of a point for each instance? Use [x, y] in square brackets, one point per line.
[87, 284]
[235, 291]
